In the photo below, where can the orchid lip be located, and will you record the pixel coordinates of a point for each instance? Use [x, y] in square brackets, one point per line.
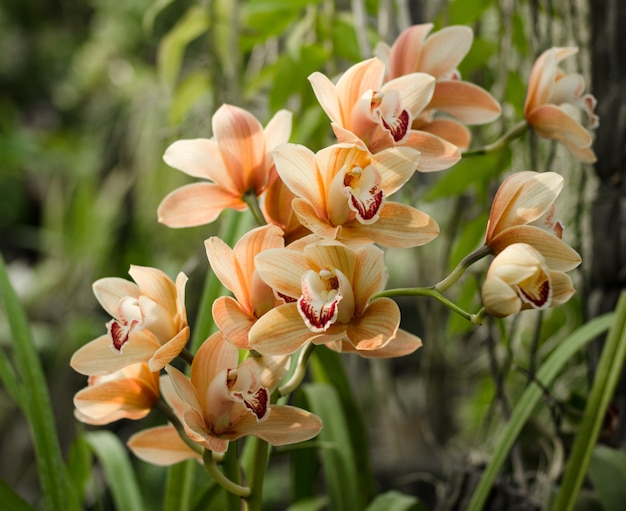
[365, 196]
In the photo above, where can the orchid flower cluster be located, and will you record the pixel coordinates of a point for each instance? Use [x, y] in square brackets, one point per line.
[313, 272]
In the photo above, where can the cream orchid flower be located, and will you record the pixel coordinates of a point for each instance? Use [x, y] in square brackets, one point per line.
[342, 194]
[149, 323]
[549, 87]
[439, 54]
[129, 393]
[224, 401]
[523, 212]
[520, 278]
[327, 287]
[235, 162]
[277, 210]
[378, 115]
[236, 271]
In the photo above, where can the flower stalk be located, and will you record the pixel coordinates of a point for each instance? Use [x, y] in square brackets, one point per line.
[515, 132]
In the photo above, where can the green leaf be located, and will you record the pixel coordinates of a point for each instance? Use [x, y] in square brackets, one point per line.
[118, 470]
[178, 492]
[395, 501]
[605, 380]
[172, 48]
[36, 403]
[338, 461]
[80, 464]
[467, 12]
[188, 91]
[311, 504]
[530, 398]
[10, 500]
[607, 472]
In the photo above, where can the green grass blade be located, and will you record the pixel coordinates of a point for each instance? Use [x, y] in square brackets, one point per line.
[118, 470]
[10, 500]
[338, 461]
[36, 403]
[529, 399]
[178, 492]
[605, 380]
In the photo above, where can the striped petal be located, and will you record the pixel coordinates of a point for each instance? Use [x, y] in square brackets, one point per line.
[161, 445]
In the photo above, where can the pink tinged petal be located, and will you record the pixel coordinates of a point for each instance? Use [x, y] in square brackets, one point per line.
[223, 263]
[282, 270]
[284, 425]
[444, 50]
[297, 167]
[522, 198]
[98, 357]
[398, 226]
[499, 298]
[197, 204]
[278, 129]
[406, 50]
[551, 122]
[583, 154]
[558, 254]
[365, 76]
[395, 166]
[200, 158]
[280, 332]
[543, 76]
[415, 91]
[111, 290]
[240, 138]
[345, 136]
[214, 356]
[467, 102]
[326, 94]
[199, 431]
[184, 389]
[155, 284]
[370, 276]
[562, 288]
[376, 327]
[436, 153]
[181, 282]
[169, 351]
[450, 130]
[365, 195]
[171, 397]
[161, 445]
[567, 89]
[401, 345]
[308, 217]
[254, 242]
[232, 321]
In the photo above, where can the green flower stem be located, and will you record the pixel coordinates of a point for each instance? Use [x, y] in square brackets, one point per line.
[510, 135]
[433, 293]
[253, 204]
[261, 450]
[467, 261]
[298, 375]
[233, 488]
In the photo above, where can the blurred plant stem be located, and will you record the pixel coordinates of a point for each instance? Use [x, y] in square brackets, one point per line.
[515, 132]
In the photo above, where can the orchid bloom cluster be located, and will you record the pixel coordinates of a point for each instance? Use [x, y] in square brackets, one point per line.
[313, 272]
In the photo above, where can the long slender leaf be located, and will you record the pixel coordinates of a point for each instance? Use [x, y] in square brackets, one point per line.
[118, 470]
[36, 403]
[606, 377]
[529, 399]
[338, 461]
[178, 493]
[10, 500]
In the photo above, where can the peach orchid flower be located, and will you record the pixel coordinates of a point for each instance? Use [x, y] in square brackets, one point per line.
[223, 401]
[236, 270]
[149, 323]
[439, 54]
[549, 87]
[378, 115]
[327, 287]
[342, 193]
[235, 162]
[129, 393]
[520, 278]
[523, 212]
[277, 210]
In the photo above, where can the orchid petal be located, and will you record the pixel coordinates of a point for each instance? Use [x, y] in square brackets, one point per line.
[223, 263]
[110, 291]
[445, 49]
[550, 121]
[369, 276]
[196, 204]
[169, 351]
[214, 356]
[436, 153]
[279, 332]
[365, 76]
[467, 102]
[161, 445]
[232, 321]
[406, 50]
[282, 269]
[307, 215]
[156, 285]
[416, 91]
[326, 95]
[401, 345]
[452, 131]
[376, 327]
[396, 166]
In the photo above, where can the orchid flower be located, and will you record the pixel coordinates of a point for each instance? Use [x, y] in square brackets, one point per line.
[523, 212]
[277, 210]
[549, 87]
[149, 323]
[378, 115]
[235, 162]
[235, 269]
[342, 194]
[129, 393]
[520, 278]
[327, 287]
[438, 55]
[223, 401]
